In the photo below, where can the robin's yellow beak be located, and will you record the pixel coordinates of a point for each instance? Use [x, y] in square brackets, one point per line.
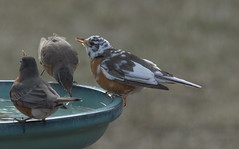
[23, 53]
[82, 41]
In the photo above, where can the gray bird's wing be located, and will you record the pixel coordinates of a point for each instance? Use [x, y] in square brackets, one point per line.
[38, 96]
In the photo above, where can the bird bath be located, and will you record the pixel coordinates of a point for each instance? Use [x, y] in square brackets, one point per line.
[82, 124]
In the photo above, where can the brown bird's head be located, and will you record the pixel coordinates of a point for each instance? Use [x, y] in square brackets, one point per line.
[28, 68]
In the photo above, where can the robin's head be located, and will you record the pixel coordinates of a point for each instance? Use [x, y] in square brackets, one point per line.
[28, 68]
[65, 77]
[95, 45]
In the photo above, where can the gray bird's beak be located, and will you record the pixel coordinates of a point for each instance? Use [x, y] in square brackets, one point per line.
[69, 92]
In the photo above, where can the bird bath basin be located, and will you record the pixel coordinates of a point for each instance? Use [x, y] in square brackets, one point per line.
[82, 124]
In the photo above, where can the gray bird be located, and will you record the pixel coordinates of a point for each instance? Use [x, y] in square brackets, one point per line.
[59, 59]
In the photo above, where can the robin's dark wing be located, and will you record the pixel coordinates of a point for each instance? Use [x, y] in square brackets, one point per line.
[126, 68]
[39, 96]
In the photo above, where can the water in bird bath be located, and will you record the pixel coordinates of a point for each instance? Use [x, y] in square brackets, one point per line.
[8, 111]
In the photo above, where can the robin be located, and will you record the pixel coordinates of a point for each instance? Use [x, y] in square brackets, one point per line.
[32, 96]
[121, 73]
[59, 59]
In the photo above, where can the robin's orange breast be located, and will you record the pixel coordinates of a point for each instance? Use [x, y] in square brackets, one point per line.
[107, 84]
[26, 111]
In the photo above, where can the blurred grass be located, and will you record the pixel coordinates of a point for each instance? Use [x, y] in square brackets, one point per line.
[195, 40]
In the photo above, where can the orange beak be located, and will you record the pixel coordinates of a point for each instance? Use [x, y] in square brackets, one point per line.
[82, 41]
[23, 53]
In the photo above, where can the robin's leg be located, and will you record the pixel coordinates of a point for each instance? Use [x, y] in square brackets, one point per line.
[42, 72]
[109, 94]
[124, 99]
[112, 95]
[44, 121]
[23, 121]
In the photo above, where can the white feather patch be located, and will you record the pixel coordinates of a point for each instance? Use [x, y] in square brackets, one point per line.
[158, 73]
[98, 69]
[140, 74]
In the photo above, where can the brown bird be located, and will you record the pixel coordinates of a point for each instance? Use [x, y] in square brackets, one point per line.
[32, 96]
[59, 59]
[121, 73]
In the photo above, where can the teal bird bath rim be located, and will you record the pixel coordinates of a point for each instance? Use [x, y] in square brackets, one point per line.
[82, 124]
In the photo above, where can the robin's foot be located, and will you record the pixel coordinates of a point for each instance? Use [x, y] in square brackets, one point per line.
[108, 93]
[112, 95]
[124, 99]
[44, 121]
[124, 102]
[22, 122]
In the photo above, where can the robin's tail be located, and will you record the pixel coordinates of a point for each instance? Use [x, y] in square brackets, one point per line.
[165, 77]
[67, 99]
[172, 79]
[60, 101]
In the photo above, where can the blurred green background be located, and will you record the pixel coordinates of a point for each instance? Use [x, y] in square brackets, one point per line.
[195, 40]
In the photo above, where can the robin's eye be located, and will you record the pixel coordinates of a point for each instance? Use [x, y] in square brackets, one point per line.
[91, 43]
